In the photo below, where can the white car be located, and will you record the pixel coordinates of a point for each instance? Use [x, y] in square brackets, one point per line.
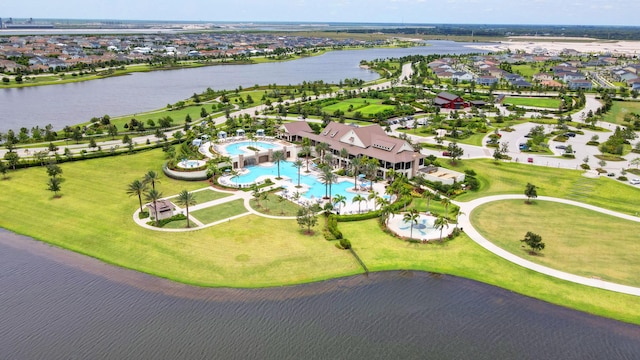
[635, 181]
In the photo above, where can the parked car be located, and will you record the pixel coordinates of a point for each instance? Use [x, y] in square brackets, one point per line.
[561, 147]
[530, 160]
[634, 181]
[523, 147]
[570, 134]
[611, 174]
[446, 153]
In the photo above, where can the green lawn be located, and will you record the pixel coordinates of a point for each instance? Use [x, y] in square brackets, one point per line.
[209, 195]
[578, 241]
[540, 102]
[93, 217]
[272, 205]
[619, 110]
[219, 212]
[511, 178]
[463, 257]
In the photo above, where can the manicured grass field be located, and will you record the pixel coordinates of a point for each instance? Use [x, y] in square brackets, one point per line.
[540, 102]
[578, 241]
[365, 106]
[273, 206]
[463, 257]
[619, 110]
[209, 195]
[219, 212]
[94, 217]
[511, 178]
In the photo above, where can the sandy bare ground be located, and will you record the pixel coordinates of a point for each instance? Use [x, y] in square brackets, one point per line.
[556, 44]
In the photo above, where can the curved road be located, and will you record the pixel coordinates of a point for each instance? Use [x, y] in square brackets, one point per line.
[464, 222]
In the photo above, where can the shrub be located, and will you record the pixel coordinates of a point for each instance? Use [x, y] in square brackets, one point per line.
[585, 166]
[332, 227]
[345, 244]
[143, 214]
[623, 178]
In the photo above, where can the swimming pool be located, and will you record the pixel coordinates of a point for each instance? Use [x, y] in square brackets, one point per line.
[316, 187]
[242, 147]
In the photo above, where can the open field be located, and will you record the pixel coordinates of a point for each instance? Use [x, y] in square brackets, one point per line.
[540, 102]
[511, 178]
[219, 212]
[577, 240]
[619, 110]
[463, 257]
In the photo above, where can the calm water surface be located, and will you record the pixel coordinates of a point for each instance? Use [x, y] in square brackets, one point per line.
[74, 103]
[61, 305]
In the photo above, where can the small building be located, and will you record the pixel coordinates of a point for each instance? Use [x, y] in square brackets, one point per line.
[165, 209]
[222, 135]
[450, 101]
[443, 175]
[260, 132]
[240, 132]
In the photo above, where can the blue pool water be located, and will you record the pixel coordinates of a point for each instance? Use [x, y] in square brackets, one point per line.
[316, 187]
[235, 148]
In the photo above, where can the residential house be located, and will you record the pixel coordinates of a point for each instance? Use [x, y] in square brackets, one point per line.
[447, 100]
[580, 84]
[486, 80]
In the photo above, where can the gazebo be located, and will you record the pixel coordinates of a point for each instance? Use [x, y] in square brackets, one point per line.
[260, 132]
[222, 135]
[240, 132]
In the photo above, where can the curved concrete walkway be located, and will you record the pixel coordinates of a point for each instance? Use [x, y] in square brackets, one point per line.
[465, 223]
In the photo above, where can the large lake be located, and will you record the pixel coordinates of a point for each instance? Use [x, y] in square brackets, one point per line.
[74, 103]
[61, 305]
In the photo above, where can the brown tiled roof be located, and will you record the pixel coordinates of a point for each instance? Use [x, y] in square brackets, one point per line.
[369, 140]
[298, 127]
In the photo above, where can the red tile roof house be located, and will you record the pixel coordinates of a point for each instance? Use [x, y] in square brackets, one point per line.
[450, 101]
[371, 141]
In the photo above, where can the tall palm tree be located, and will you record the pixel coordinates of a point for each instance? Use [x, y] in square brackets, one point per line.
[445, 202]
[359, 198]
[371, 169]
[306, 149]
[373, 195]
[137, 187]
[235, 174]
[440, 223]
[429, 196]
[328, 158]
[339, 200]
[186, 199]
[458, 216]
[385, 210]
[321, 148]
[298, 165]
[152, 178]
[412, 218]
[327, 177]
[277, 157]
[153, 196]
[356, 164]
[344, 154]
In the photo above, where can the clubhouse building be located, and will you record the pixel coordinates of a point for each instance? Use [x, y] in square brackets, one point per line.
[372, 141]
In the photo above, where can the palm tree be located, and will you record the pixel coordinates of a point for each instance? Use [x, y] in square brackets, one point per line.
[151, 177]
[344, 154]
[327, 177]
[371, 169]
[440, 223]
[153, 196]
[385, 210]
[412, 218]
[359, 198]
[458, 216]
[306, 149]
[137, 187]
[235, 174]
[277, 157]
[356, 164]
[339, 200]
[373, 195]
[186, 199]
[428, 195]
[298, 165]
[321, 148]
[328, 158]
[445, 202]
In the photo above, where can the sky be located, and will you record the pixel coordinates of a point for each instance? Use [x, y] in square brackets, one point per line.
[560, 12]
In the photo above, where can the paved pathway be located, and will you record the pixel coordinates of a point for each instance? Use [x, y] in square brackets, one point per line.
[465, 223]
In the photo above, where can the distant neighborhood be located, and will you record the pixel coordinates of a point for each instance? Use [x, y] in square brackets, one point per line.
[540, 71]
[42, 53]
